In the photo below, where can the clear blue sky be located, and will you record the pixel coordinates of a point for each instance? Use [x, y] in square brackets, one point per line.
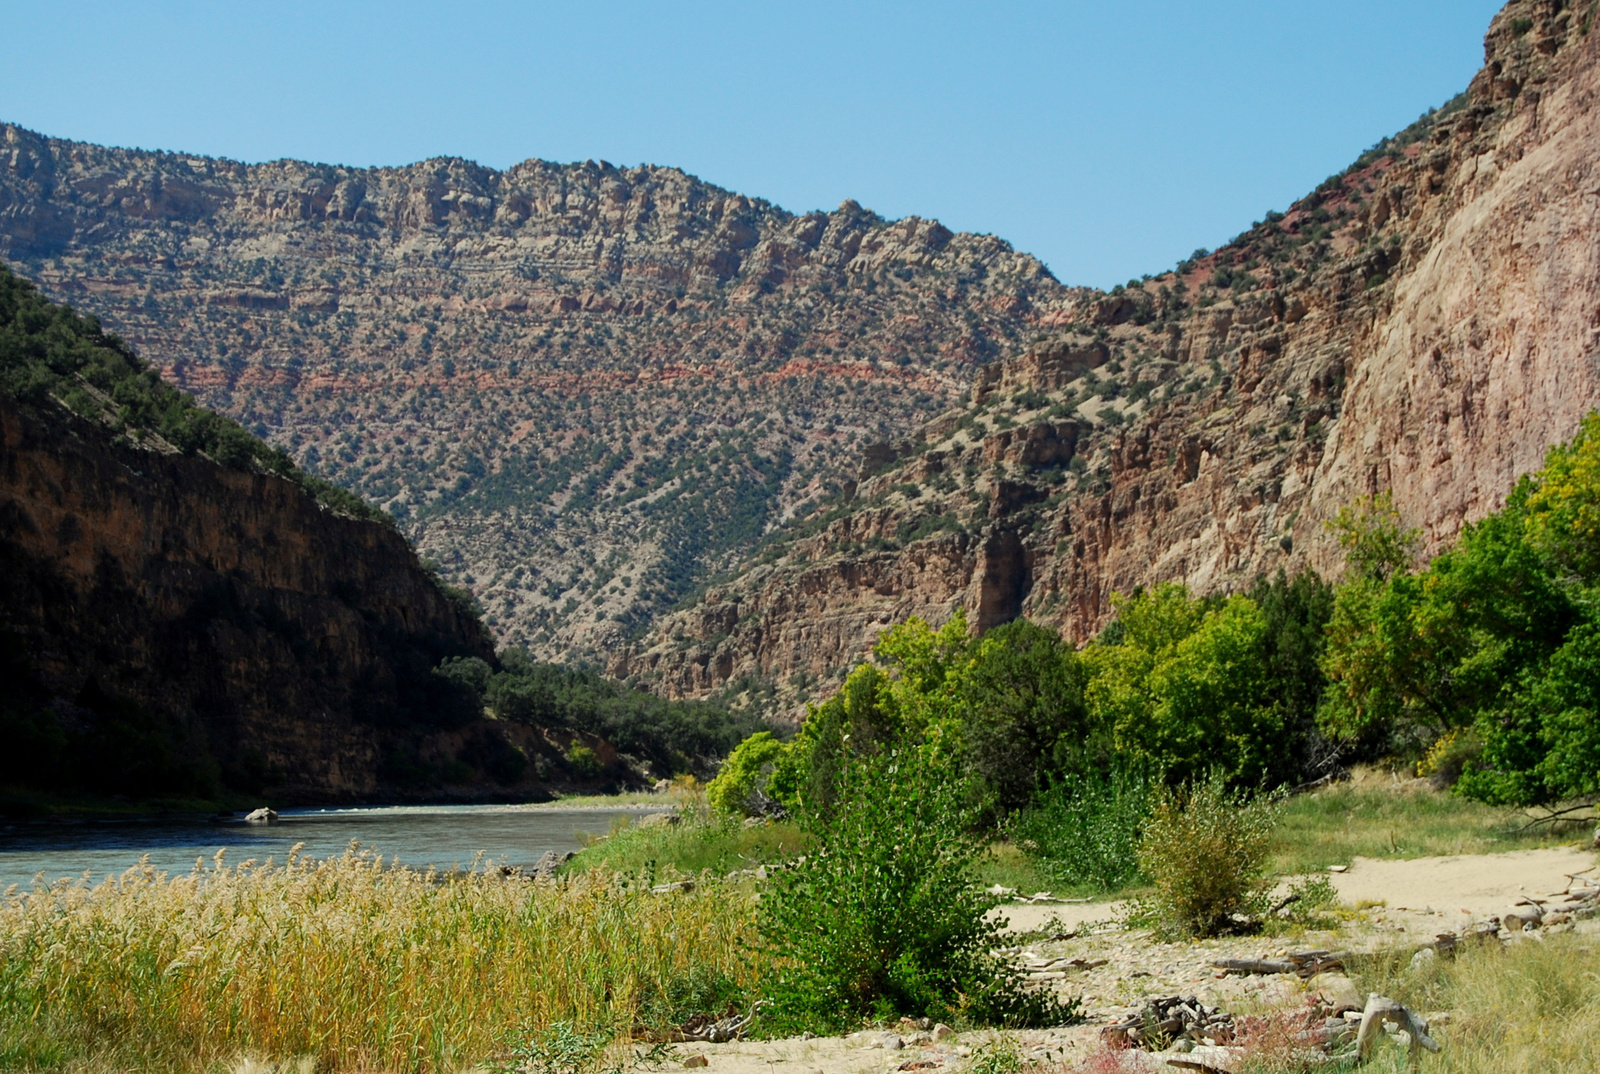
[1108, 138]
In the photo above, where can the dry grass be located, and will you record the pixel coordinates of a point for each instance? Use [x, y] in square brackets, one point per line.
[1376, 816]
[1531, 1008]
[359, 966]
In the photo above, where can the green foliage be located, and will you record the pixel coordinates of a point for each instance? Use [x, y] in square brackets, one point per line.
[1007, 710]
[859, 718]
[1375, 543]
[688, 848]
[1205, 849]
[1563, 506]
[1084, 830]
[584, 760]
[882, 918]
[673, 736]
[558, 1048]
[1001, 1055]
[1185, 688]
[1496, 635]
[1312, 900]
[1296, 612]
[740, 787]
[1020, 701]
[49, 354]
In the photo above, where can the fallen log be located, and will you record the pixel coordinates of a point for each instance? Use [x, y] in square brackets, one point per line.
[1305, 964]
[1251, 966]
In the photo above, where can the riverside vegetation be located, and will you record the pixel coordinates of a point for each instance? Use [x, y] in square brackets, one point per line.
[1164, 725]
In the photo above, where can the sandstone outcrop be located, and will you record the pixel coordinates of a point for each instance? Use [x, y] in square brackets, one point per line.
[1425, 323]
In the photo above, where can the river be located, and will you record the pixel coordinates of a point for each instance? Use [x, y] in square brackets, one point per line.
[443, 836]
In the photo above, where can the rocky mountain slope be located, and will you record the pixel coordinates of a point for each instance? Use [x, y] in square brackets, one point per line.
[1424, 323]
[581, 389]
[185, 622]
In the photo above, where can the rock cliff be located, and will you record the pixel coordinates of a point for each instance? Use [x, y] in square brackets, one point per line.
[582, 389]
[183, 614]
[217, 629]
[1424, 323]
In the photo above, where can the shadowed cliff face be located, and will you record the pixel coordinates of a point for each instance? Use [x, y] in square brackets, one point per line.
[214, 626]
[1427, 323]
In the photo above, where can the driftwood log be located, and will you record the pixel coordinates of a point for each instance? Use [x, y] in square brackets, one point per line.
[1382, 1011]
[1305, 964]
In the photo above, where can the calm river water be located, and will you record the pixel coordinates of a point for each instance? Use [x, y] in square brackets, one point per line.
[442, 836]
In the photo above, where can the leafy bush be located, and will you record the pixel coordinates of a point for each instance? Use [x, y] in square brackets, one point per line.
[1311, 900]
[883, 919]
[1085, 829]
[741, 786]
[584, 760]
[1204, 849]
[559, 1048]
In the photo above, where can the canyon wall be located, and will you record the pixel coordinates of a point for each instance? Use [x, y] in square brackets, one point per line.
[1425, 324]
[582, 389]
[218, 627]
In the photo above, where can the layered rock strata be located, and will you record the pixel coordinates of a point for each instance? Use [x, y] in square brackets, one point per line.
[582, 389]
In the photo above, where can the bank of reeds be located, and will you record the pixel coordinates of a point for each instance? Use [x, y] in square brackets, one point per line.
[350, 961]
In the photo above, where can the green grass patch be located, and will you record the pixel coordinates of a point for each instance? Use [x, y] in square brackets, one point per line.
[625, 800]
[1005, 864]
[1369, 819]
[696, 844]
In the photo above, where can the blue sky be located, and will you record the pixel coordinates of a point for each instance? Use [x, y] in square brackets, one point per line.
[1109, 138]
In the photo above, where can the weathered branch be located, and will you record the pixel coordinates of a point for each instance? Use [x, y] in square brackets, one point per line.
[1380, 1011]
[1556, 816]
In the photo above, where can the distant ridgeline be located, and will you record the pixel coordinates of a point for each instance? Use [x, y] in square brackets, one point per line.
[185, 615]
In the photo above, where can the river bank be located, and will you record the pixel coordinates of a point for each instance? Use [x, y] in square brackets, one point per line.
[443, 836]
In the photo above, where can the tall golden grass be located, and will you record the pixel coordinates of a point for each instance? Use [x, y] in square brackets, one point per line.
[347, 960]
[1531, 1008]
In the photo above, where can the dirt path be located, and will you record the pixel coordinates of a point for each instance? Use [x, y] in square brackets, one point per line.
[1472, 884]
[1416, 899]
[1462, 886]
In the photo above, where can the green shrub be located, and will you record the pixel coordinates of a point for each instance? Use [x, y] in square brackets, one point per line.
[740, 789]
[1313, 897]
[583, 760]
[1205, 849]
[883, 918]
[1001, 1055]
[1084, 830]
[559, 1048]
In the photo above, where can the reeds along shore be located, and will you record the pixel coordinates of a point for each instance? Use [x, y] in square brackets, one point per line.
[349, 960]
